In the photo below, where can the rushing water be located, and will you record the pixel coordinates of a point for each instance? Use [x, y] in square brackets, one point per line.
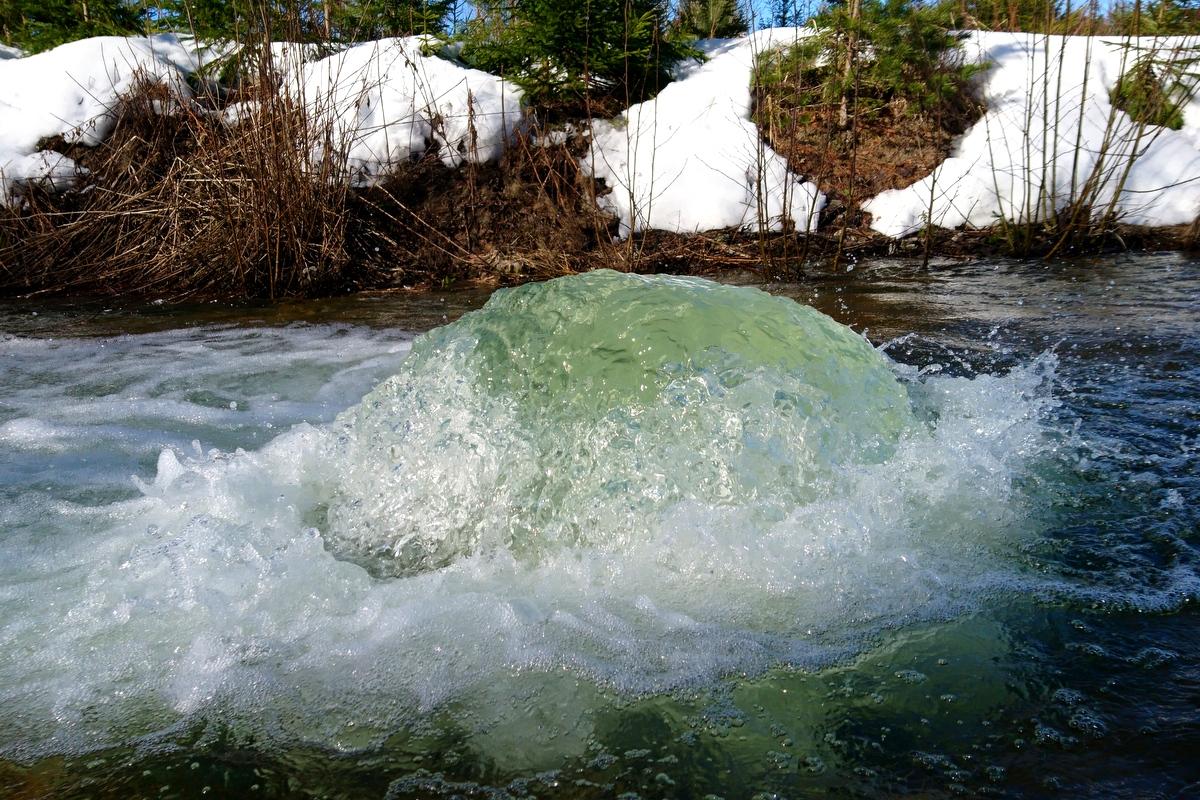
[610, 535]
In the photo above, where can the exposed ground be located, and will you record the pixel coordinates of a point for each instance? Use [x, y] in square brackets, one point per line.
[180, 206]
[885, 145]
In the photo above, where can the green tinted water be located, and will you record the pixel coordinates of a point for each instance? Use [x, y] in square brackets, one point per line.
[745, 554]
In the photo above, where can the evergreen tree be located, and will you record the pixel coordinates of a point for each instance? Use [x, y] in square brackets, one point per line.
[305, 20]
[36, 25]
[562, 50]
[1040, 16]
[711, 19]
[1156, 18]
[360, 20]
[877, 53]
[243, 20]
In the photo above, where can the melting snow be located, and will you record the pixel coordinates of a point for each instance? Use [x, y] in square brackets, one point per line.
[70, 91]
[688, 160]
[691, 160]
[1049, 131]
[387, 103]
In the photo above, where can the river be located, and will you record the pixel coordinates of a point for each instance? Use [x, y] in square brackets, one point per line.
[614, 536]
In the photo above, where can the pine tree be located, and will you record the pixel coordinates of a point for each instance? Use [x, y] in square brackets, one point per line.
[561, 51]
[36, 25]
[362, 20]
[875, 53]
[711, 19]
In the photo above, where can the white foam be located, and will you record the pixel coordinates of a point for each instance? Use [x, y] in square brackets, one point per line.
[214, 594]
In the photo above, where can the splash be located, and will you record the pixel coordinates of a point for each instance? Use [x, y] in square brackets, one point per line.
[579, 412]
[605, 484]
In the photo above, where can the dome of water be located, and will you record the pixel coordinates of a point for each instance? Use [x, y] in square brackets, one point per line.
[578, 412]
[605, 484]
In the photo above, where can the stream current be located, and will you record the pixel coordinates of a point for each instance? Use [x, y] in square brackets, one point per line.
[610, 534]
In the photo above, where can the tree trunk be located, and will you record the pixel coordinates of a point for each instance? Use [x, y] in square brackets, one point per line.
[854, 8]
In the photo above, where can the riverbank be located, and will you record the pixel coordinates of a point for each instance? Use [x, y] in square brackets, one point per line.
[127, 170]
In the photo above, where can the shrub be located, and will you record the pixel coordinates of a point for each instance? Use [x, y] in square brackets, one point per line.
[1155, 18]
[892, 53]
[711, 19]
[177, 204]
[365, 20]
[36, 25]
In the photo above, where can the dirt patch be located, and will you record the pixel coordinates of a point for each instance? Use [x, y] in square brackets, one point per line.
[529, 216]
[878, 152]
[886, 144]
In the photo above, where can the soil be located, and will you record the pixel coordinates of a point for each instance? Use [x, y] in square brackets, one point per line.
[886, 148]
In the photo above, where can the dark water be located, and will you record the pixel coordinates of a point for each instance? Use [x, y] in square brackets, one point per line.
[1085, 681]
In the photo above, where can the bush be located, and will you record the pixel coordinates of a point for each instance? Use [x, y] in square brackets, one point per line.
[36, 25]
[711, 19]
[1155, 18]
[365, 20]
[891, 54]
[178, 204]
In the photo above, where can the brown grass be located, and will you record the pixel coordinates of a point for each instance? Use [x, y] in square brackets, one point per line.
[180, 205]
[530, 216]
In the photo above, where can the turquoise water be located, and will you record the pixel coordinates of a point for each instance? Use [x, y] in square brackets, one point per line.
[609, 535]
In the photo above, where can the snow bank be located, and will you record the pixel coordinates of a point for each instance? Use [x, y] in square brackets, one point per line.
[70, 91]
[376, 104]
[7, 51]
[1049, 130]
[384, 103]
[691, 160]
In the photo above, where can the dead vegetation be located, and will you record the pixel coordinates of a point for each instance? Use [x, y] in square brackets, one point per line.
[177, 204]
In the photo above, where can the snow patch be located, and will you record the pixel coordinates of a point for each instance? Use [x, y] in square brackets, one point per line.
[385, 103]
[70, 91]
[691, 159]
[1049, 130]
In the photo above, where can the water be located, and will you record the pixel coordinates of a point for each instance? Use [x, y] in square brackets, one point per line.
[225, 573]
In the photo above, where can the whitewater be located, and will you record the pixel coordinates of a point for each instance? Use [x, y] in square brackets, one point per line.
[328, 534]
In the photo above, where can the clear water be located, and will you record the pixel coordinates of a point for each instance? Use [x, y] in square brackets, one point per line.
[610, 536]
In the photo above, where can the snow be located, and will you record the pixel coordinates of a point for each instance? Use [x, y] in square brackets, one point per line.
[70, 91]
[384, 103]
[691, 160]
[1047, 134]
[8, 51]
